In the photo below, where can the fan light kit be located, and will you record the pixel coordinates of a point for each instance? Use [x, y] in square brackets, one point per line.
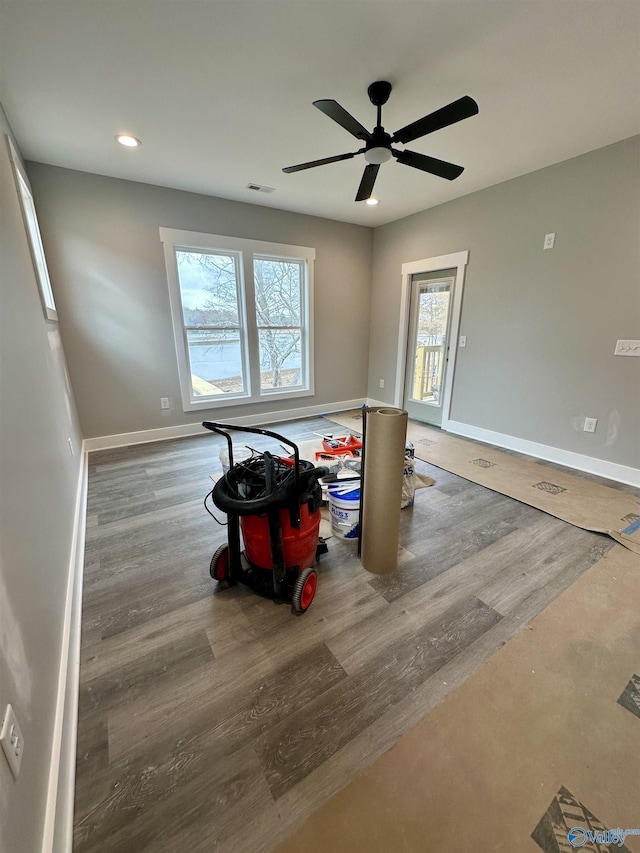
[377, 156]
[378, 150]
[127, 140]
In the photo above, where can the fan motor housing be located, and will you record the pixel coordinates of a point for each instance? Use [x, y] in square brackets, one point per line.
[379, 92]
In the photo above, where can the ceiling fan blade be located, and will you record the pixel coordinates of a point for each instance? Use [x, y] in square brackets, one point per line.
[429, 164]
[313, 163]
[368, 180]
[333, 109]
[462, 108]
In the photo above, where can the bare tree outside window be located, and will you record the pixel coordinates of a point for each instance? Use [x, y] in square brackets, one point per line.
[432, 317]
[211, 314]
[279, 319]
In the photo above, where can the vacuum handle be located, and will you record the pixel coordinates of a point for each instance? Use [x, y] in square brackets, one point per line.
[214, 427]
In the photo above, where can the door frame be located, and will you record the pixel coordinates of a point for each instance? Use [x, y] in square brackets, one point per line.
[457, 261]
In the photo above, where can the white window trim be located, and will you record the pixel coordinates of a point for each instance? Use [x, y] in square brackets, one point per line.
[173, 239]
[33, 239]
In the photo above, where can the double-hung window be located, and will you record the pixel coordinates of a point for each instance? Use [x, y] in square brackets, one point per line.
[242, 318]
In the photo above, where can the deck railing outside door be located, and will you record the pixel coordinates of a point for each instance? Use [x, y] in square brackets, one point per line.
[428, 372]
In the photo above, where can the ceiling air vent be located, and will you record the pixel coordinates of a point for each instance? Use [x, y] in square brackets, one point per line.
[258, 188]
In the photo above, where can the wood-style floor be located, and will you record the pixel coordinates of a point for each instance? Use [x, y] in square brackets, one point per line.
[214, 720]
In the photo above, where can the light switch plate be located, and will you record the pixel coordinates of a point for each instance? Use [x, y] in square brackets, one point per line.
[463, 340]
[627, 348]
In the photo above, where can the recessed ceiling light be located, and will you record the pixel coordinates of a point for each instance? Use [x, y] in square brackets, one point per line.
[372, 201]
[128, 141]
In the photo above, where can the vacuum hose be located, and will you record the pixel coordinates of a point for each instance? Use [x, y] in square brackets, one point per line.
[225, 492]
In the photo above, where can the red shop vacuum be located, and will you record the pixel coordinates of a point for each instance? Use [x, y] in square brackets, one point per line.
[275, 503]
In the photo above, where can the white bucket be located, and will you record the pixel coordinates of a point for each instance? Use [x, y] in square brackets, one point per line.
[240, 454]
[344, 508]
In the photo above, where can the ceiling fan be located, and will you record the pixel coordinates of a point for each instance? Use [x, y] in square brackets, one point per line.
[378, 143]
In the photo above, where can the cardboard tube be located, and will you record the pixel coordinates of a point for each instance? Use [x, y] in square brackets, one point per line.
[385, 433]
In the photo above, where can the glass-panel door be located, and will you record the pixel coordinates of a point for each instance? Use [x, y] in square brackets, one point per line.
[428, 345]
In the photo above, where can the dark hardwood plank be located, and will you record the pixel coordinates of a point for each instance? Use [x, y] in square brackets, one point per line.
[158, 807]
[572, 549]
[439, 550]
[92, 760]
[298, 745]
[125, 682]
[355, 645]
[211, 713]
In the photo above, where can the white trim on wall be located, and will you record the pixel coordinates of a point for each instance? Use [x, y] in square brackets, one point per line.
[457, 261]
[106, 442]
[58, 824]
[578, 461]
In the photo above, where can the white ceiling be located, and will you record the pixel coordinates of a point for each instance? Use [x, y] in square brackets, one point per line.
[220, 93]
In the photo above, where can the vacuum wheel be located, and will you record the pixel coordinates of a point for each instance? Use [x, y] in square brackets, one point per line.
[304, 590]
[219, 568]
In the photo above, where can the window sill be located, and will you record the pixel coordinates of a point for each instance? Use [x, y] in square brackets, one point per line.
[216, 402]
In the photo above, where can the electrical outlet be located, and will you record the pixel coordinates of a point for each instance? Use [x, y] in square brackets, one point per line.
[12, 741]
[382, 383]
[590, 424]
[549, 241]
[164, 403]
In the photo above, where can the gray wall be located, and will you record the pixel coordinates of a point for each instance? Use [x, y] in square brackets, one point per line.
[107, 264]
[541, 326]
[38, 486]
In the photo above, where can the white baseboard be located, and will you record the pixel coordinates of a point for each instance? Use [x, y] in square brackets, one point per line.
[58, 824]
[107, 442]
[578, 461]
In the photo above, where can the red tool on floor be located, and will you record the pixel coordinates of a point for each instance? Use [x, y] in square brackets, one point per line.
[275, 503]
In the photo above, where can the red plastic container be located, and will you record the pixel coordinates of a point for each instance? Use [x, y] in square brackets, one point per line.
[299, 545]
[348, 446]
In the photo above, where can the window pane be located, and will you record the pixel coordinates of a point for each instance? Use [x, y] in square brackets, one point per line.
[280, 359]
[433, 315]
[278, 286]
[209, 288]
[36, 243]
[215, 358]
[431, 336]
